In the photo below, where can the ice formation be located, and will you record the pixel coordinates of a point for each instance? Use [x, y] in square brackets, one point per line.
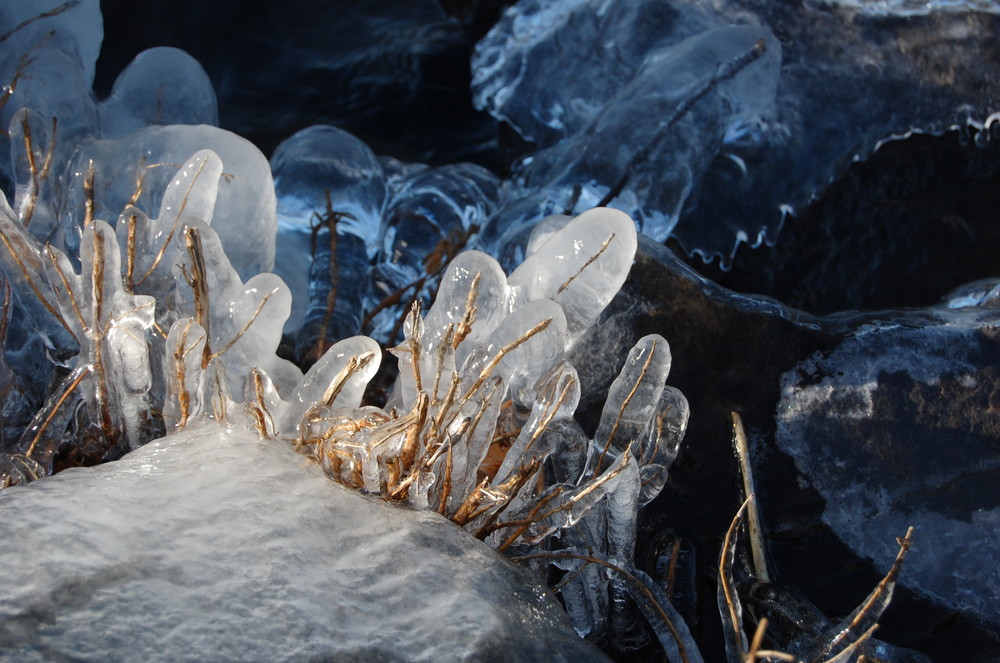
[485, 397]
[169, 333]
[137, 244]
[721, 161]
[642, 146]
[884, 381]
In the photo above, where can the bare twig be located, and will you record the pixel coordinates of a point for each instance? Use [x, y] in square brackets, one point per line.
[753, 513]
[590, 261]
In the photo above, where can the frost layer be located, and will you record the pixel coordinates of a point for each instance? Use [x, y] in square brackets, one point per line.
[213, 545]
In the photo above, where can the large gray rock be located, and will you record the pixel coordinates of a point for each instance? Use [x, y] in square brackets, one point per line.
[213, 545]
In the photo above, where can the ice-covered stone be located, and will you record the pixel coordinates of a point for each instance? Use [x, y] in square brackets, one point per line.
[895, 428]
[535, 72]
[212, 544]
[646, 150]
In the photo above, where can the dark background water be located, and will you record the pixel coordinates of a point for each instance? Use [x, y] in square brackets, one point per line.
[393, 72]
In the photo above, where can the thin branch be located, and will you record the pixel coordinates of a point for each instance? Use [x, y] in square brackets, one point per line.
[504, 351]
[590, 261]
[727, 589]
[724, 73]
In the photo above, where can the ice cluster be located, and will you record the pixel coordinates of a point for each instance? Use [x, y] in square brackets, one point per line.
[119, 331]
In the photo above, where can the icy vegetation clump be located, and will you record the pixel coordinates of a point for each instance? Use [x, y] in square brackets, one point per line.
[479, 426]
[138, 301]
[376, 232]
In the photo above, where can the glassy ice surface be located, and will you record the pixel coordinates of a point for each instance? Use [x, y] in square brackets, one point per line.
[326, 178]
[581, 266]
[919, 7]
[244, 211]
[892, 428]
[217, 545]
[645, 150]
[431, 215]
[160, 86]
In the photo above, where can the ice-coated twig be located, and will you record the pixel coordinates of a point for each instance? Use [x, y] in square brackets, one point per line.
[675, 638]
[36, 174]
[624, 406]
[55, 11]
[49, 412]
[504, 351]
[24, 252]
[725, 72]
[590, 261]
[175, 224]
[858, 626]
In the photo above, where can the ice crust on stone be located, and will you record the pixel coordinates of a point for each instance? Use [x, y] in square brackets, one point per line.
[211, 544]
[918, 7]
[732, 173]
[872, 389]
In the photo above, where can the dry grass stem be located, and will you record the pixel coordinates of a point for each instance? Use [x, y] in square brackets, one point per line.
[88, 190]
[733, 618]
[883, 586]
[753, 513]
[469, 315]
[84, 372]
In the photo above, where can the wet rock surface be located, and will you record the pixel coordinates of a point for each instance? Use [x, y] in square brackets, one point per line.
[211, 545]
